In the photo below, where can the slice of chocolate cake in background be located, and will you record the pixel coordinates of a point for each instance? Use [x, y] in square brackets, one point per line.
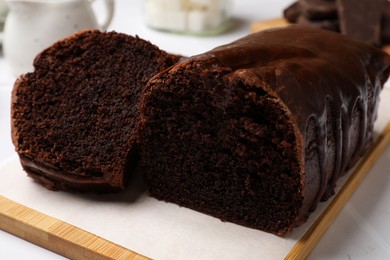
[293, 12]
[258, 131]
[74, 117]
[361, 19]
[332, 25]
[313, 13]
[319, 9]
[385, 23]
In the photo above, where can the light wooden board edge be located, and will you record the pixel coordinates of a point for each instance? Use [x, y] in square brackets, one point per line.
[58, 236]
[281, 22]
[310, 239]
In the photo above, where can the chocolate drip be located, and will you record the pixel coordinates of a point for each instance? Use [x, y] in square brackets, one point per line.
[332, 149]
[313, 162]
[345, 144]
[55, 179]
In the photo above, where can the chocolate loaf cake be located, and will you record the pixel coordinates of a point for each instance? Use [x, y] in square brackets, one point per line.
[258, 131]
[74, 117]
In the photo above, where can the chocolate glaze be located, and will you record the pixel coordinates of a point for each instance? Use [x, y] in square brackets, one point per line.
[329, 86]
[55, 179]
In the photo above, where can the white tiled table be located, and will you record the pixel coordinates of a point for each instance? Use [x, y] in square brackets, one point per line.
[128, 19]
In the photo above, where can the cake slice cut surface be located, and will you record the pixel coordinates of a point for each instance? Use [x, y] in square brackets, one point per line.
[74, 117]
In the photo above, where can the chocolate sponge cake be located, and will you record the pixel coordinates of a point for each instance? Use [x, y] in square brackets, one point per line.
[74, 117]
[258, 131]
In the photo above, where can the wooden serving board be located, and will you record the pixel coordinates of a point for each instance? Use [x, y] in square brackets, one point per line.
[281, 22]
[58, 236]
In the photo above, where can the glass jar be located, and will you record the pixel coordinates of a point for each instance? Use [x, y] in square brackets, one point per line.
[202, 17]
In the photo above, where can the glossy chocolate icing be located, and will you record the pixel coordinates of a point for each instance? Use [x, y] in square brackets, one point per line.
[55, 179]
[329, 86]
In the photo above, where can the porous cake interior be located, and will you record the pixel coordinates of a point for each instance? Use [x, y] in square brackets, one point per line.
[77, 112]
[221, 147]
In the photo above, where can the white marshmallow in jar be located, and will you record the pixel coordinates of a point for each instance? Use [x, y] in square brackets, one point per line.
[199, 17]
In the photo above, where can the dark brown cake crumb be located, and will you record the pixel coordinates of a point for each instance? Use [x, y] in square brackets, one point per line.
[74, 117]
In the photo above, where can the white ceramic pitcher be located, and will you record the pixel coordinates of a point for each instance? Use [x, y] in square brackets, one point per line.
[33, 25]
